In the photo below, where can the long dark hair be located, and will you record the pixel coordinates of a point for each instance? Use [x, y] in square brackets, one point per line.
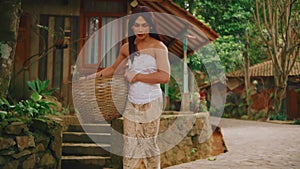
[147, 14]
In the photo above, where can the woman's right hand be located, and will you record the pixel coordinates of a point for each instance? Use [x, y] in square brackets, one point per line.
[109, 71]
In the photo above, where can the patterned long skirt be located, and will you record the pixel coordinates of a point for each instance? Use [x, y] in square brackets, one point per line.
[141, 125]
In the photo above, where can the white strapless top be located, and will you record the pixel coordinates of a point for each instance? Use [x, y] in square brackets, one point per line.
[140, 92]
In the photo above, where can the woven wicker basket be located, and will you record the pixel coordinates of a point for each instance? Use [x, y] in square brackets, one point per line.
[99, 99]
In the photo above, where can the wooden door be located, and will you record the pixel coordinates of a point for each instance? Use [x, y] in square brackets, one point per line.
[293, 102]
[59, 43]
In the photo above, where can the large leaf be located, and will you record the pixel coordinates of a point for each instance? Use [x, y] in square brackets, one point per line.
[36, 97]
[49, 92]
[41, 87]
[38, 85]
[31, 85]
[46, 84]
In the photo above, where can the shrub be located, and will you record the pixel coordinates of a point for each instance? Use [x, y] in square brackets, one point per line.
[278, 116]
[297, 121]
[35, 106]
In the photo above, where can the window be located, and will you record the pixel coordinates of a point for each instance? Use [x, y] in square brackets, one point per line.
[92, 52]
[103, 40]
[111, 33]
[102, 34]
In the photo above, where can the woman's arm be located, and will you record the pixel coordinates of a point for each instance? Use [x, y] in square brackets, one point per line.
[109, 71]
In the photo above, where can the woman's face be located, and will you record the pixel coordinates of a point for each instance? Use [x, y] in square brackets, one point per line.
[141, 28]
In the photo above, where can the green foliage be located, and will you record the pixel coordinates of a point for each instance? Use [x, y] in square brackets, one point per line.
[174, 90]
[297, 121]
[3, 115]
[230, 52]
[40, 88]
[278, 116]
[5, 107]
[262, 114]
[231, 20]
[206, 60]
[197, 104]
[193, 151]
[235, 106]
[227, 17]
[35, 106]
[175, 83]
[234, 22]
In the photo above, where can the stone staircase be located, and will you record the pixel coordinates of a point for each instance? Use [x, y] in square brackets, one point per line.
[82, 150]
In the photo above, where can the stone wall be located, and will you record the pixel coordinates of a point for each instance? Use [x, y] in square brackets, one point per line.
[30, 144]
[195, 143]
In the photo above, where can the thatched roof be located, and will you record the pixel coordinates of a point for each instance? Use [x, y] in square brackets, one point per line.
[177, 27]
[264, 69]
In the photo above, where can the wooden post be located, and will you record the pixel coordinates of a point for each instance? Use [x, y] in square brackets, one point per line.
[166, 97]
[185, 102]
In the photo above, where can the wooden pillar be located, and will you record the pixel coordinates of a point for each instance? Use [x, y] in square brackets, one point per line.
[166, 97]
[185, 102]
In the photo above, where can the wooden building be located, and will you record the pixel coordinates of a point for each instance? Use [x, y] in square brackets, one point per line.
[262, 75]
[52, 34]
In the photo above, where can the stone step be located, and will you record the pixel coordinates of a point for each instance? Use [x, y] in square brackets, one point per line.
[85, 149]
[90, 128]
[82, 137]
[85, 162]
[74, 119]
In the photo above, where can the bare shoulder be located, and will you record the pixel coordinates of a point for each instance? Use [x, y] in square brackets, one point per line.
[160, 45]
[160, 49]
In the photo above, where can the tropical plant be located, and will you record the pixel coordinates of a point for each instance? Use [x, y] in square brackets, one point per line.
[279, 116]
[174, 94]
[36, 106]
[297, 121]
[4, 108]
[235, 106]
[41, 88]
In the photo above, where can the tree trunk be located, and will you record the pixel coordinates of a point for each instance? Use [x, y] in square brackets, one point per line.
[247, 76]
[280, 90]
[247, 84]
[279, 20]
[10, 11]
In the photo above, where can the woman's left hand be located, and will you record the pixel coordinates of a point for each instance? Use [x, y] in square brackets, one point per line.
[131, 77]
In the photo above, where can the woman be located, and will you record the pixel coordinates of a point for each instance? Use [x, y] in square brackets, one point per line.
[149, 67]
